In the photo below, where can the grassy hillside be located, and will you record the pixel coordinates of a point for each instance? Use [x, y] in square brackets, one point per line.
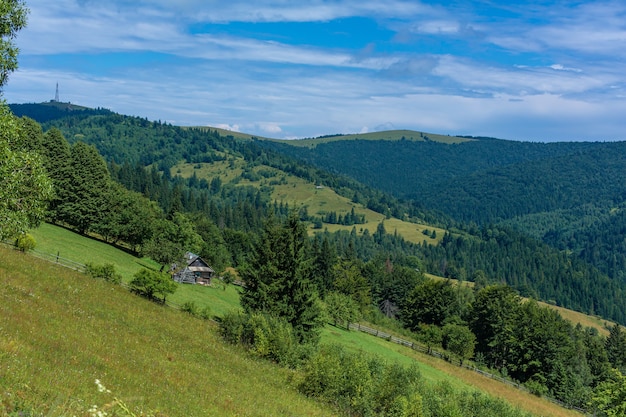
[61, 331]
[389, 135]
[298, 192]
[16, 268]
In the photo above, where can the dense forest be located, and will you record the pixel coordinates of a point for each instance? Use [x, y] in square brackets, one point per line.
[577, 267]
[569, 195]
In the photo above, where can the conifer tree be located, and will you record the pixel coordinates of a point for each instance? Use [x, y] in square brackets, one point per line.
[277, 278]
[57, 158]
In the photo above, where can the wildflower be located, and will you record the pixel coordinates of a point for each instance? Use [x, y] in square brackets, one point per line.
[102, 388]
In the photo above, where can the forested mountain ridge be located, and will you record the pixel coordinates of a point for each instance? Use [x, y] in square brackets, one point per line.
[164, 190]
[569, 195]
[142, 153]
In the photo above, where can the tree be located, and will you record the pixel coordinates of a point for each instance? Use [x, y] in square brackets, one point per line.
[491, 320]
[57, 157]
[341, 308]
[431, 302]
[349, 280]
[152, 284]
[89, 180]
[616, 347]
[277, 278]
[12, 19]
[609, 397]
[26, 188]
[459, 340]
[171, 239]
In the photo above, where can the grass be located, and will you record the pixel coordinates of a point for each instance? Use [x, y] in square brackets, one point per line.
[60, 331]
[300, 193]
[392, 135]
[105, 324]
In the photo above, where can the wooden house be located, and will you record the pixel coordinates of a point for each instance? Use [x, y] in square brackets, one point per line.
[194, 271]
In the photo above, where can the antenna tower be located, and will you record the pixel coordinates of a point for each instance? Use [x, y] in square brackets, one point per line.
[56, 96]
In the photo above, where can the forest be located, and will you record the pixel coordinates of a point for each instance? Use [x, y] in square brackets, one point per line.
[131, 199]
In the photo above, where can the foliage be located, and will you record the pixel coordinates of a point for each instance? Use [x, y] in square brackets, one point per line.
[265, 336]
[106, 272]
[26, 187]
[341, 309]
[25, 242]
[86, 188]
[459, 340]
[609, 397]
[191, 308]
[152, 284]
[277, 282]
[431, 302]
[13, 15]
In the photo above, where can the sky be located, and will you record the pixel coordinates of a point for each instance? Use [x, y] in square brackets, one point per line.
[537, 70]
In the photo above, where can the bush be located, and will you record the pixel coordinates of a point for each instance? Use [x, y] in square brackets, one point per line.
[191, 308]
[152, 284]
[25, 242]
[362, 385]
[265, 336]
[105, 272]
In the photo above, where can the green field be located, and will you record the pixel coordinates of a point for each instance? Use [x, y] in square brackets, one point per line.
[60, 331]
[64, 309]
[317, 199]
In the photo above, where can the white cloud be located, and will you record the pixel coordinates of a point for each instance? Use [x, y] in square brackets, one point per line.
[232, 128]
[270, 127]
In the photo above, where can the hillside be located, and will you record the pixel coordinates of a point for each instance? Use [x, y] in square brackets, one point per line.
[236, 182]
[65, 332]
[154, 358]
[569, 195]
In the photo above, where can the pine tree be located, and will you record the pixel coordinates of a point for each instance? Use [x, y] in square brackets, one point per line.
[277, 278]
[57, 159]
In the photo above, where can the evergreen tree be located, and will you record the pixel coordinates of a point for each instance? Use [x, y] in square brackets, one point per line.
[492, 319]
[83, 206]
[324, 259]
[277, 278]
[616, 348]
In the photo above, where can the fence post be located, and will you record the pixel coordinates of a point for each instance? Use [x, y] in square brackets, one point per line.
[58, 253]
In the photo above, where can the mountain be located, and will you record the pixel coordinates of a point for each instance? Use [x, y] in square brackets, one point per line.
[510, 210]
[570, 195]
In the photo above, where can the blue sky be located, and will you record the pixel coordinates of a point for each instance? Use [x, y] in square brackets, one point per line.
[524, 70]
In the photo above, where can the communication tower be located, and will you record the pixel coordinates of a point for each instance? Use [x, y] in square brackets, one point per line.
[56, 96]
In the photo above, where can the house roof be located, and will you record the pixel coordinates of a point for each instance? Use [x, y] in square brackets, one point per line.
[197, 264]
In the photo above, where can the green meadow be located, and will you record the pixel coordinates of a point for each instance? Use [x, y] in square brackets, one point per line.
[299, 193]
[62, 330]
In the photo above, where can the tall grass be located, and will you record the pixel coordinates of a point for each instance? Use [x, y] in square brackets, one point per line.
[60, 331]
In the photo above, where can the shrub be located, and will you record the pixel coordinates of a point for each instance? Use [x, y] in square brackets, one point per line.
[25, 242]
[152, 284]
[105, 272]
[191, 308]
[266, 336]
[362, 385]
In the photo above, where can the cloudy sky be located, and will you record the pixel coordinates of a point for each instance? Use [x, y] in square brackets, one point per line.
[537, 70]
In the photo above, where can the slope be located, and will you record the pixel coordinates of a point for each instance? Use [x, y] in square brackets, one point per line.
[68, 330]
[61, 331]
